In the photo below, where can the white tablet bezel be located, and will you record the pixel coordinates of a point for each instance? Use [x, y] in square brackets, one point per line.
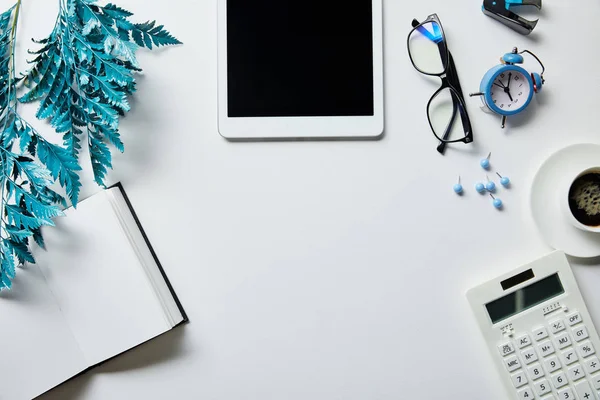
[301, 127]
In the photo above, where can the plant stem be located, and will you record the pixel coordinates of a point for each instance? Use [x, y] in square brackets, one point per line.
[11, 75]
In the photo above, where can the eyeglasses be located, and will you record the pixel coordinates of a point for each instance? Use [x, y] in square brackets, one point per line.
[429, 54]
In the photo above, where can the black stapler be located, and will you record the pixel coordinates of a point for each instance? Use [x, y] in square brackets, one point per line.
[500, 11]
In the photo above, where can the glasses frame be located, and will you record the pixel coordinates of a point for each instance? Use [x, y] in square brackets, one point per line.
[450, 81]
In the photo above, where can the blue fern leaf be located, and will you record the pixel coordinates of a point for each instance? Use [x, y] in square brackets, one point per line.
[147, 33]
[27, 202]
[62, 166]
[38, 238]
[21, 251]
[116, 12]
[20, 234]
[18, 216]
[34, 205]
[81, 76]
[101, 158]
[7, 266]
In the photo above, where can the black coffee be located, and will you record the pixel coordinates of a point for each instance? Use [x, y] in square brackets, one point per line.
[584, 199]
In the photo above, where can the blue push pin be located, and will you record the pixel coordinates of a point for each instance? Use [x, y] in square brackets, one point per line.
[458, 188]
[490, 186]
[497, 202]
[485, 163]
[480, 187]
[504, 180]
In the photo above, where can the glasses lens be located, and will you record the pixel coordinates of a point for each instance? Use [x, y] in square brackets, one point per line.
[427, 48]
[444, 114]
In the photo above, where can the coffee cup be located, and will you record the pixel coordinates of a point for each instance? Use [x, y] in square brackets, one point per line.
[581, 201]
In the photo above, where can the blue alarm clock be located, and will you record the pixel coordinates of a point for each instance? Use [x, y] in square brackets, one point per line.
[507, 89]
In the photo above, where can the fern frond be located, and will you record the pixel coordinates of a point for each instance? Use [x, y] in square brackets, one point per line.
[83, 75]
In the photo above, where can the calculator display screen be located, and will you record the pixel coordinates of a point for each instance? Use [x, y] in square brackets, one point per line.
[525, 298]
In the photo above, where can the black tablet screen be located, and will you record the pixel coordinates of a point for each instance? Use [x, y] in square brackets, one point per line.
[299, 58]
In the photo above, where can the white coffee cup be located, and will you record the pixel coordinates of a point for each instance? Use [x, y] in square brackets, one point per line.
[566, 203]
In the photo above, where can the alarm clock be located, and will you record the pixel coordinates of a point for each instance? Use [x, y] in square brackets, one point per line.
[507, 89]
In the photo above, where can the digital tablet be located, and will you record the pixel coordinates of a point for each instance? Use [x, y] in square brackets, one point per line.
[300, 69]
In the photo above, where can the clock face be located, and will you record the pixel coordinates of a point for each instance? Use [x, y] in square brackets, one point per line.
[510, 91]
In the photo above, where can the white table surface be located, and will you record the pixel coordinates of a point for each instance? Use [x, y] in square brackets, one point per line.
[335, 270]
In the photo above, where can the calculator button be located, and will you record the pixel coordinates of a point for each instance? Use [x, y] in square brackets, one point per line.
[573, 319]
[592, 365]
[523, 341]
[535, 372]
[580, 333]
[563, 340]
[546, 348]
[584, 391]
[576, 372]
[596, 382]
[569, 357]
[540, 333]
[542, 387]
[519, 379]
[506, 349]
[512, 363]
[529, 356]
[525, 394]
[559, 380]
[552, 364]
[557, 326]
[586, 349]
[566, 394]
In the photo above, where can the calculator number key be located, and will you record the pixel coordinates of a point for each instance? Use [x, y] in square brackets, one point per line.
[592, 365]
[559, 380]
[557, 326]
[529, 356]
[586, 349]
[573, 319]
[546, 348]
[580, 333]
[563, 340]
[535, 372]
[525, 394]
[519, 379]
[506, 349]
[542, 387]
[566, 394]
[576, 372]
[552, 364]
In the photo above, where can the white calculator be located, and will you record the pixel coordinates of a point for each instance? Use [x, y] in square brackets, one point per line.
[540, 332]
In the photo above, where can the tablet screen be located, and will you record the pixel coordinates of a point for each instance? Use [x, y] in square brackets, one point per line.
[299, 58]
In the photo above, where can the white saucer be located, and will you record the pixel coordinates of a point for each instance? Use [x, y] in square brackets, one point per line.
[547, 191]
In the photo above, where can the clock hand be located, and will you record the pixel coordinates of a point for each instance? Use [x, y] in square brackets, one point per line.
[507, 91]
[509, 78]
[500, 86]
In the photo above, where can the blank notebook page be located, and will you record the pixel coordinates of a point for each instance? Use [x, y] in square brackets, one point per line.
[99, 282]
[38, 348]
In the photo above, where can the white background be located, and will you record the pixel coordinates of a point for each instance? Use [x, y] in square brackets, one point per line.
[335, 270]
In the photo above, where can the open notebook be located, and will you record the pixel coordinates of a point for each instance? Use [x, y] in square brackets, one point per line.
[98, 291]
